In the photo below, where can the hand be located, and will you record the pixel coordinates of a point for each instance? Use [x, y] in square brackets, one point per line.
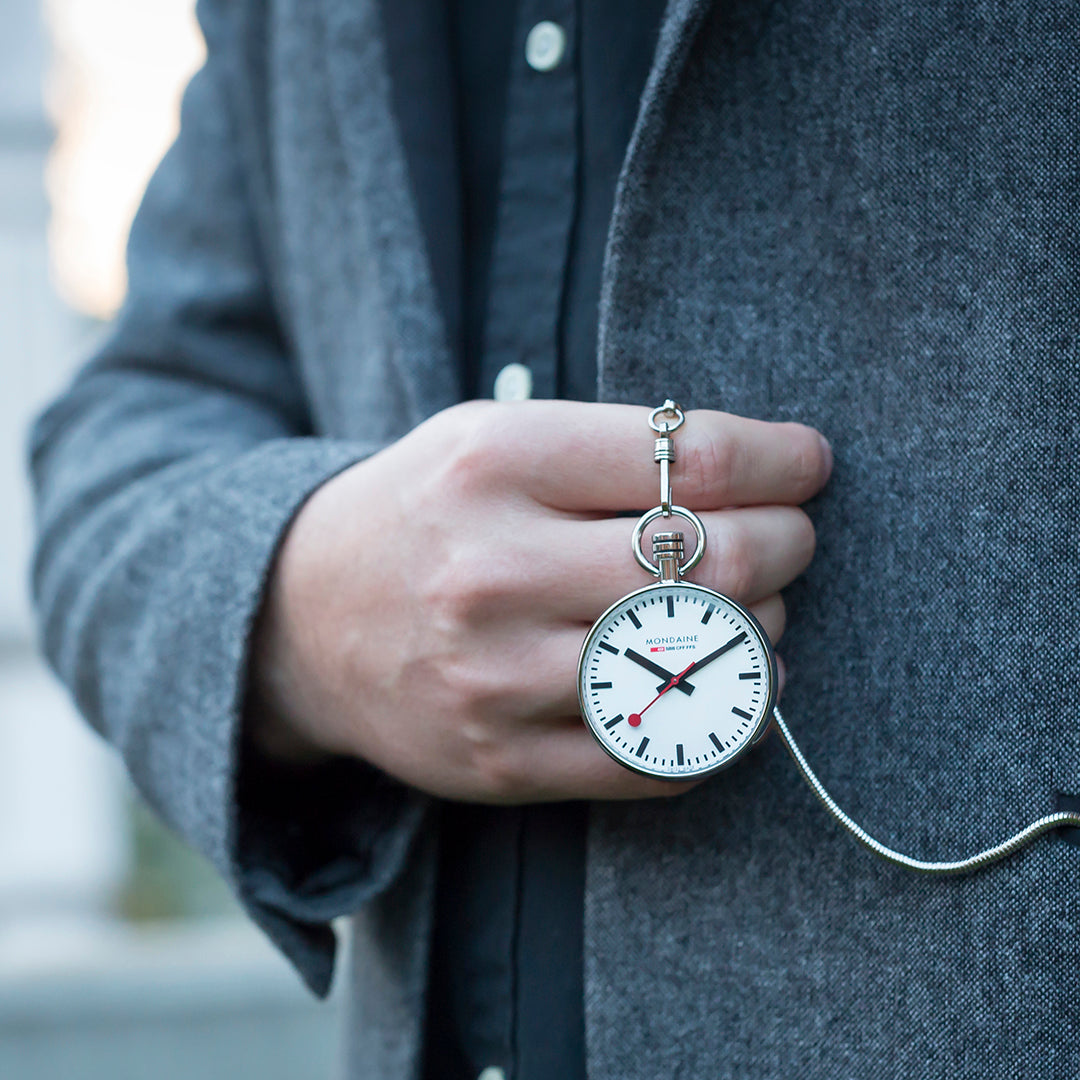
[427, 606]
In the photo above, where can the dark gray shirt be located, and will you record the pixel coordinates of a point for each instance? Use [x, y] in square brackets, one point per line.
[540, 154]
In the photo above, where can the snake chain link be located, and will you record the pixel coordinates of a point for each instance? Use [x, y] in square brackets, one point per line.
[960, 866]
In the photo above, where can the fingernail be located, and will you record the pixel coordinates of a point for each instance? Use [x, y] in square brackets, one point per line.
[827, 450]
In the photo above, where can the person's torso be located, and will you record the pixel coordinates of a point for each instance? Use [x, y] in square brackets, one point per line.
[860, 216]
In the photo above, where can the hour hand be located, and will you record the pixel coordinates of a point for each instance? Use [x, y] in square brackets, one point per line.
[656, 669]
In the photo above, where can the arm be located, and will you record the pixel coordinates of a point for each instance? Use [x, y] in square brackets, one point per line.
[174, 481]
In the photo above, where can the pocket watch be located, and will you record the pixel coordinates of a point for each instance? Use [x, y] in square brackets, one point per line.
[678, 681]
[675, 680]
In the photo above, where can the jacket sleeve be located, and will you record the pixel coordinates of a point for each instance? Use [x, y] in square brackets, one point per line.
[165, 477]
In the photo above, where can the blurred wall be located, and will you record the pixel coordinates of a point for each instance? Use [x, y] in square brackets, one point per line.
[86, 994]
[62, 842]
[36, 331]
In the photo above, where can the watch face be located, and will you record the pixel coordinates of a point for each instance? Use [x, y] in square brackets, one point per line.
[676, 681]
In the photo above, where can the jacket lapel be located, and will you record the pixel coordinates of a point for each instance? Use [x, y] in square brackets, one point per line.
[618, 374]
[374, 116]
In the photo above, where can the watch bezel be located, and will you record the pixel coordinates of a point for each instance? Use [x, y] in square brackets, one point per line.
[752, 737]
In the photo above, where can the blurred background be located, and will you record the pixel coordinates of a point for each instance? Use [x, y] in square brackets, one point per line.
[121, 954]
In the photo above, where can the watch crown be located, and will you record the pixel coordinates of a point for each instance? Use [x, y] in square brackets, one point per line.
[668, 551]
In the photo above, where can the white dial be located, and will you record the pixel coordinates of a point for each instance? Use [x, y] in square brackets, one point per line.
[676, 680]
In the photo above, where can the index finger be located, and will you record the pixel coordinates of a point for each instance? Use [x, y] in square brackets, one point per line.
[580, 456]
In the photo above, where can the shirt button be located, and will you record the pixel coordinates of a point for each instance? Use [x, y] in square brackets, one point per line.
[545, 46]
[492, 1072]
[513, 383]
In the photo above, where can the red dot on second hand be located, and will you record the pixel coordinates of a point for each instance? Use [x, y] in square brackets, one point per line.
[634, 719]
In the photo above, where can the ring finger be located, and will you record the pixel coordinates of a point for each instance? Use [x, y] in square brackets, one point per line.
[752, 553]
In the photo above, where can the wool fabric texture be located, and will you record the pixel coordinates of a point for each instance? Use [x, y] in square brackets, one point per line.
[852, 213]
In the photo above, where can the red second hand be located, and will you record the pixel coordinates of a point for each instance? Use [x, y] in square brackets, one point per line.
[634, 719]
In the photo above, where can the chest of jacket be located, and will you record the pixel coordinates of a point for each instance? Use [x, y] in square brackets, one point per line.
[858, 216]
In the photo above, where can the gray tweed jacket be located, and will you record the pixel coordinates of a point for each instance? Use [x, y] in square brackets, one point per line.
[856, 213]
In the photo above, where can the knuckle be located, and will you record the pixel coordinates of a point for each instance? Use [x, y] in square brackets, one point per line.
[477, 441]
[451, 595]
[489, 751]
[465, 416]
[466, 685]
[467, 587]
[709, 466]
[736, 566]
[469, 463]
[498, 770]
[808, 462]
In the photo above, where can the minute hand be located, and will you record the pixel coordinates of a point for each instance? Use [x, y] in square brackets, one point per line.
[716, 653]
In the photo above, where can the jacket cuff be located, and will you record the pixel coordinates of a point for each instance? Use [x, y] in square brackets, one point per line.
[302, 844]
[297, 851]
[314, 842]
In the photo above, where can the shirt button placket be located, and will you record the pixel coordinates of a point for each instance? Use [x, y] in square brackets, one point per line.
[538, 189]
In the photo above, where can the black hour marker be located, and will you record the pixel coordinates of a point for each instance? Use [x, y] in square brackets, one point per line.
[679, 754]
[671, 607]
[716, 742]
[600, 685]
[634, 619]
[708, 614]
[641, 749]
[610, 648]
[739, 712]
[613, 721]
[750, 675]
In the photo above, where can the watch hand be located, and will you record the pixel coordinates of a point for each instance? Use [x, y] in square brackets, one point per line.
[697, 665]
[635, 718]
[656, 669]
